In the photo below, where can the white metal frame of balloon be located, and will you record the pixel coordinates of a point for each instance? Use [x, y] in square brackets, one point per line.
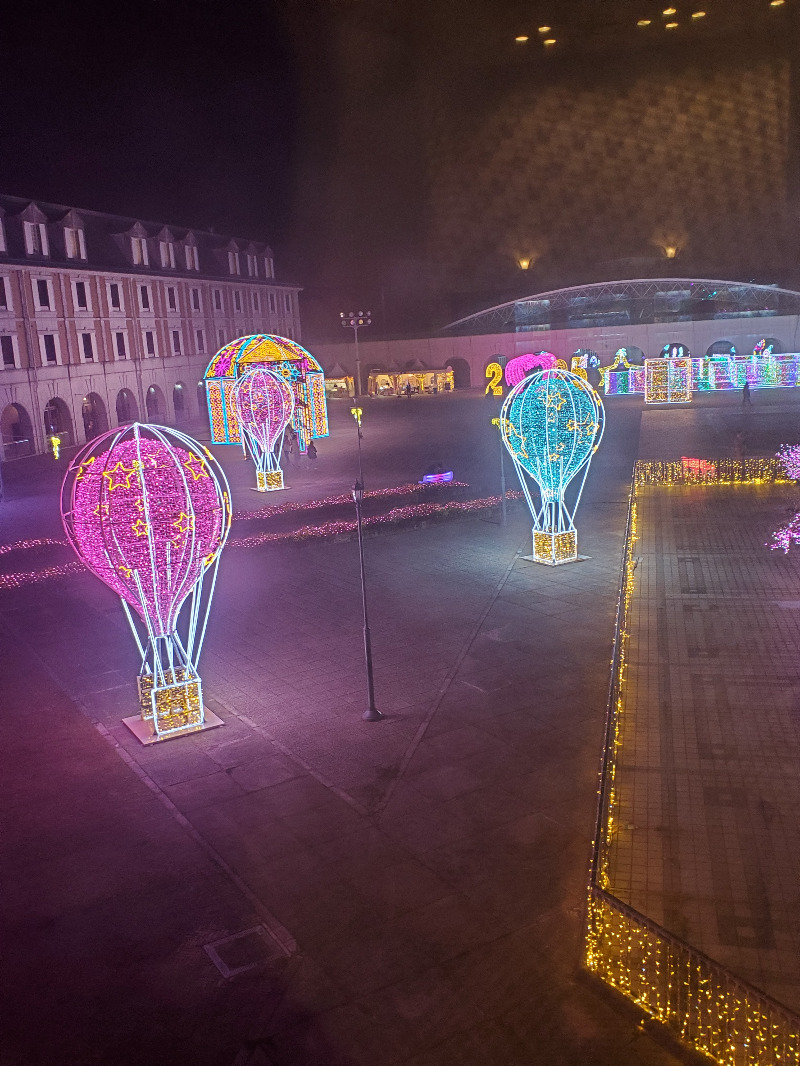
[555, 537]
[169, 685]
[269, 473]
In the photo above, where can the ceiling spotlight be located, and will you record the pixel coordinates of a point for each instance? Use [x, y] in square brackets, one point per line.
[776, 3]
[549, 41]
[670, 11]
[544, 29]
[670, 25]
[698, 14]
[643, 22]
[521, 39]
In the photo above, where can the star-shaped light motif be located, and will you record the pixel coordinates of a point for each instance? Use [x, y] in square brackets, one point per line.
[140, 527]
[119, 476]
[101, 511]
[184, 522]
[125, 571]
[84, 468]
[196, 466]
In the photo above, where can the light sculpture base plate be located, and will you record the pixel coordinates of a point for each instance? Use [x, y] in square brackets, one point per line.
[143, 730]
[555, 549]
[269, 481]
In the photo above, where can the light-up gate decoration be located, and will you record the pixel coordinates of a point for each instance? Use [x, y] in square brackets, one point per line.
[148, 511]
[668, 380]
[552, 424]
[296, 365]
[264, 403]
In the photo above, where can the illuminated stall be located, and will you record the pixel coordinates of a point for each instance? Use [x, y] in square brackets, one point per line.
[281, 355]
[338, 382]
[418, 378]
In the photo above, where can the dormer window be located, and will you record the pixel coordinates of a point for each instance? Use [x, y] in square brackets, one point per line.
[3, 246]
[74, 242]
[233, 263]
[167, 249]
[269, 268]
[36, 242]
[252, 266]
[139, 253]
[192, 258]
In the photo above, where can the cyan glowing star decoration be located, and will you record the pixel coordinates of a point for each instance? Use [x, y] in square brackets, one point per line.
[148, 511]
[287, 358]
[264, 403]
[520, 365]
[552, 424]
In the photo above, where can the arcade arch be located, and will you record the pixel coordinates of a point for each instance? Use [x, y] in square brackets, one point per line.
[95, 419]
[154, 402]
[58, 421]
[16, 430]
[127, 410]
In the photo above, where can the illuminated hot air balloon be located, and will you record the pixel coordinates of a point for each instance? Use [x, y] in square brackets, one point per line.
[148, 510]
[552, 424]
[264, 402]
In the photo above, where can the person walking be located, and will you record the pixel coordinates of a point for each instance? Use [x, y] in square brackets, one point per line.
[312, 451]
[746, 394]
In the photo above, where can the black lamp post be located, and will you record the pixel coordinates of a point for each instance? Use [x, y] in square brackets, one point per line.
[372, 714]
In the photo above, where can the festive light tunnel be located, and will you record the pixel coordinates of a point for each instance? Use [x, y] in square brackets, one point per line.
[264, 403]
[148, 511]
[287, 358]
[552, 423]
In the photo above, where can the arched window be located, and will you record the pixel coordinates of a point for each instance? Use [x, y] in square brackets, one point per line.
[57, 421]
[17, 431]
[127, 411]
[179, 399]
[156, 408]
[95, 419]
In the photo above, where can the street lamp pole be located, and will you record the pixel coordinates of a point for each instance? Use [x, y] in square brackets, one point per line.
[355, 320]
[372, 714]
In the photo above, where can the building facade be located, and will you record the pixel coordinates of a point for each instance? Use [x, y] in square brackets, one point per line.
[106, 319]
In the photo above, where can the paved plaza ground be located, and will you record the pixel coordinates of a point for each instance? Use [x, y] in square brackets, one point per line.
[416, 885]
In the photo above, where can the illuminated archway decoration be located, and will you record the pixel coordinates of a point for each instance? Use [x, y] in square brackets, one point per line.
[147, 509]
[286, 357]
[552, 424]
[521, 365]
[264, 403]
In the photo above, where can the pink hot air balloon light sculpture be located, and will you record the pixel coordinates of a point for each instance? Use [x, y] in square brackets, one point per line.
[148, 511]
[264, 402]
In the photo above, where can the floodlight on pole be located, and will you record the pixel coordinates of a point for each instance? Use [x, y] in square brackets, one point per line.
[356, 320]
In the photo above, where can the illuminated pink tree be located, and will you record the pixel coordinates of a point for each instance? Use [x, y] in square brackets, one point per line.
[148, 510]
[789, 533]
[265, 404]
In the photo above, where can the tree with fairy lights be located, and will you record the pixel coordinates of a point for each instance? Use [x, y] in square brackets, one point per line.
[789, 533]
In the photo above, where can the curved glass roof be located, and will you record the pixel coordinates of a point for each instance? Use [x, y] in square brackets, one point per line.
[636, 302]
[258, 348]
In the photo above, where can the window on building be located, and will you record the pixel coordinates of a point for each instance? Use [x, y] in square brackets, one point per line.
[195, 299]
[87, 347]
[3, 246]
[75, 243]
[233, 263]
[176, 342]
[201, 341]
[167, 254]
[3, 295]
[287, 301]
[172, 301]
[256, 302]
[139, 253]
[7, 350]
[237, 300]
[269, 268]
[149, 342]
[192, 257]
[81, 296]
[221, 337]
[43, 298]
[114, 296]
[120, 345]
[36, 242]
[49, 349]
[144, 298]
[272, 304]
[252, 266]
[217, 299]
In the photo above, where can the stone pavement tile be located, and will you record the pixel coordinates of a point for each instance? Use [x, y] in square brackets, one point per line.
[377, 957]
[203, 791]
[488, 1042]
[391, 890]
[171, 766]
[263, 772]
[447, 927]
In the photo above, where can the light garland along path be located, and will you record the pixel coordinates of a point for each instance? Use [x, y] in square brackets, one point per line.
[692, 902]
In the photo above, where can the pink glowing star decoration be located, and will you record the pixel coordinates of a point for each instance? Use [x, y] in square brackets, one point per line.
[789, 533]
[148, 511]
[521, 365]
[264, 402]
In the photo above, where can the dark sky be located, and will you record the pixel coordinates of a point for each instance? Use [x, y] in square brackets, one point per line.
[167, 110]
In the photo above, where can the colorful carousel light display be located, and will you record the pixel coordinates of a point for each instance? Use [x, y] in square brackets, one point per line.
[297, 366]
[264, 403]
[147, 509]
[552, 423]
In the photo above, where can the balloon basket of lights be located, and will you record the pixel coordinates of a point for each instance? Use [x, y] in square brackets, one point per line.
[147, 509]
[269, 480]
[552, 423]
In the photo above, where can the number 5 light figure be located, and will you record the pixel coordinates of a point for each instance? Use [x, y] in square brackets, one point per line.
[552, 423]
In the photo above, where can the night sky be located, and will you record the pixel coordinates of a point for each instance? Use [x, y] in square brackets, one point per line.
[167, 110]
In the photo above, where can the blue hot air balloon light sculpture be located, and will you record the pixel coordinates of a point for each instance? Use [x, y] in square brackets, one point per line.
[552, 423]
